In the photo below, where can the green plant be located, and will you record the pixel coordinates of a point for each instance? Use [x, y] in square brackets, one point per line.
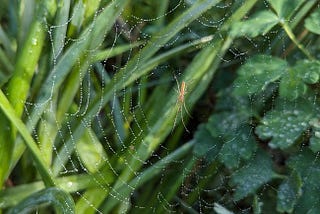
[87, 119]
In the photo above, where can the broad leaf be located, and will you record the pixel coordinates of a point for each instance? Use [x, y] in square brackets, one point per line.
[260, 24]
[313, 22]
[257, 73]
[239, 145]
[288, 193]
[206, 145]
[308, 166]
[285, 8]
[286, 122]
[308, 71]
[257, 172]
[291, 86]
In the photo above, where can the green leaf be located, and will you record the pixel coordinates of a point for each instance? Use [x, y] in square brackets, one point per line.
[260, 24]
[313, 22]
[286, 122]
[307, 164]
[248, 179]
[91, 151]
[206, 145]
[308, 71]
[288, 193]
[285, 8]
[291, 86]
[239, 145]
[40, 163]
[257, 73]
[61, 200]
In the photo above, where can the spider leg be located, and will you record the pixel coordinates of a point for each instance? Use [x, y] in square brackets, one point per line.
[185, 108]
[183, 120]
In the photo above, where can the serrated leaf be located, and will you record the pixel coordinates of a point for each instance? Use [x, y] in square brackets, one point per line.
[308, 71]
[253, 175]
[307, 164]
[291, 86]
[288, 193]
[258, 73]
[285, 124]
[226, 123]
[285, 8]
[206, 145]
[239, 146]
[312, 23]
[260, 24]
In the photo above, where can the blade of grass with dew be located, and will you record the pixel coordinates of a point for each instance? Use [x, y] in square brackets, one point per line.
[19, 85]
[60, 29]
[10, 113]
[63, 68]
[61, 200]
[72, 184]
[113, 51]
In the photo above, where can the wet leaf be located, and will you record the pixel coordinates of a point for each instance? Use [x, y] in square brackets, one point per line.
[313, 22]
[288, 193]
[257, 73]
[249, 178]
[260, 24]
[240, 145]
[286, 122]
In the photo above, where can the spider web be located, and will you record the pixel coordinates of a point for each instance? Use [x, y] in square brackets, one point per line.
[110, 139]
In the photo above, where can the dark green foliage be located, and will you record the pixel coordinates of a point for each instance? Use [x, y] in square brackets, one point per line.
[94, 98]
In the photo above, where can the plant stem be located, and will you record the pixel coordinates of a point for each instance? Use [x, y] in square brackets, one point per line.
[295, 41]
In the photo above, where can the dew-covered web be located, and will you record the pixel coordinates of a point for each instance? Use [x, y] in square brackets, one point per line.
[106, 143]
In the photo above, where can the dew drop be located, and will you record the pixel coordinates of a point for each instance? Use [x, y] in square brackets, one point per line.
[34, 41]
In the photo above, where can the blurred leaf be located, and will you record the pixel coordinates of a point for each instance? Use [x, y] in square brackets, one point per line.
[307, 165]
[308, 71]
[205, 144]
[260, 24]
[257, 73]
[286, 122]
[288, 193]
[313, 22]
[291, 86]
[220, 209]
[285, 8]
[249, 178]
[61, 200]
[240, 145]
[91, 151]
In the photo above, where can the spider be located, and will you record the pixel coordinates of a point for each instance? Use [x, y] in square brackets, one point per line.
[182, 90]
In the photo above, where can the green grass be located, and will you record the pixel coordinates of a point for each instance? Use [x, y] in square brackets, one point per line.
[88, 105]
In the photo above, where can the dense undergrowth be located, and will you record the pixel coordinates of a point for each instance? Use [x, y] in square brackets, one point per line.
[193, 106]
